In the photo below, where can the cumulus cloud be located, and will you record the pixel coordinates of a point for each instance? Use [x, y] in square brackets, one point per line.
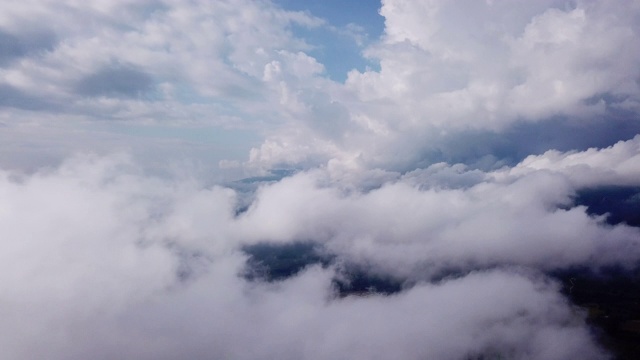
[154, 63]
[511, 69]
[615, 165]
[447, 89]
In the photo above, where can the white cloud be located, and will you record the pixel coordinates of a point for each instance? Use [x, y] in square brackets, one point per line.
[236, 64]
[75, 68]
[615, 165]
[417, 232]
[152, 63]
[87, 271]
[443, 71]
[94, 248]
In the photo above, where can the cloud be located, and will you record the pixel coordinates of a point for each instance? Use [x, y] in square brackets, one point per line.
[551, 68]
[452, 91]
[415, 232]
[116, 81]
[15, 98]
[156, 64]
[124, 265]
[454, 169]
[14, 47]
[90, 267]
[299, 323]
[193, 53]
[615, 165]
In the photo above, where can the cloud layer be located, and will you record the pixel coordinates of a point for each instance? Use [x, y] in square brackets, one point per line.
[102, 260]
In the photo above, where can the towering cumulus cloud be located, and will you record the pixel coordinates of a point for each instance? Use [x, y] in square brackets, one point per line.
[423, 208]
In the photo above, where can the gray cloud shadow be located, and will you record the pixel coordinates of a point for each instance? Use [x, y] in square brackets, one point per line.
[16, 46]
[116, 81]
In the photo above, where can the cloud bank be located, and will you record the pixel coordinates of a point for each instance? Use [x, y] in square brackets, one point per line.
[102, 260]
[453, 170]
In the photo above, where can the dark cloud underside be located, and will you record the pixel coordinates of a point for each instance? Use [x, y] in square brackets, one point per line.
[116, 81]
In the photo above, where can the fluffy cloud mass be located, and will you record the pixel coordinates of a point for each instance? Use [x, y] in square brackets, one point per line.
[99, 260]
[449, 172]
[445, 75]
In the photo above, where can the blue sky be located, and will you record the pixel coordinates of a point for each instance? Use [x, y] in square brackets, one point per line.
[338, 52]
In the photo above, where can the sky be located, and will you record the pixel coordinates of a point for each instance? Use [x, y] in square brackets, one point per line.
[145, 145]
